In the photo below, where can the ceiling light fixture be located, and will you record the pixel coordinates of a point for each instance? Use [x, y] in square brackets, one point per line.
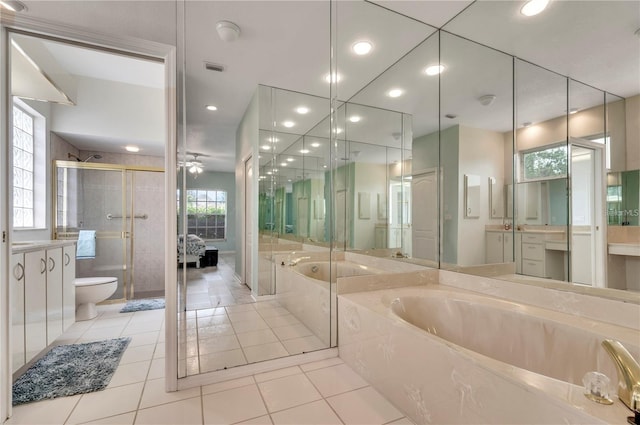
[362, 47]
[288, 124]
[195, 166]
[302, 110]
[526, 124]
[131, 148]
[265, 147]
[432, 70]
[395, 93]
[227, 31]
[573, 111]
[303, 151]
[13, 5]
[487, 99]
[273, 139]
[315, 145]
[283, 164]
[354, 118]
[533, 7]
[290, 159]
[212, 108]
[333, 77]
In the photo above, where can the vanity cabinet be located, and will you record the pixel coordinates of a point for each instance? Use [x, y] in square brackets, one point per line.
[537, 260]
[499, 246]
[16, 290]
[41, 283]
[68, 288]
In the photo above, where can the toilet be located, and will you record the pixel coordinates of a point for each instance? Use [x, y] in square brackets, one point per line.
[92, 290]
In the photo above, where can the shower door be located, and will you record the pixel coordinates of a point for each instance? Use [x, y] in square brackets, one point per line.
[117, 203]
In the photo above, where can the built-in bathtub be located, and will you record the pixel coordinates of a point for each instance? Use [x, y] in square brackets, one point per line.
[330, 271]
[444, 355]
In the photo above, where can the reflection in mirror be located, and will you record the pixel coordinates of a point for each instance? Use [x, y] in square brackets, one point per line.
[475, 140]
[496, 197]
[623, 198]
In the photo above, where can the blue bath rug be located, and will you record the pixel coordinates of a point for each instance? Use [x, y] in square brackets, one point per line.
[70, 369]
[140, 305]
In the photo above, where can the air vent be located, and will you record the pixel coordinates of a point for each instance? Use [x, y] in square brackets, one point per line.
[214, 67]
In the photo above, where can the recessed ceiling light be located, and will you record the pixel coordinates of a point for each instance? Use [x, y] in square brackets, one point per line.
[304, 150]
[302, 110]
[434, 70]
[362, 47]
[290, 159]
[212, 108]
[283, 164]
[265, 147]
[395, 93]
[273, 139]
[573, 111]
[487, 99]
[526, 124]
[132, 148]
[333, 77]
[533, 7]
[269, 173]
[354, 118]
[324, 166]
[337, 130]
[288, 124]
[315, 145]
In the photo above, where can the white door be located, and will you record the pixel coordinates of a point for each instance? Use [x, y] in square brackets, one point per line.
[587, 219]
[248, 223]
[424, 195]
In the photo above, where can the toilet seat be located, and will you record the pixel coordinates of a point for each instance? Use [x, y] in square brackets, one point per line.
[90, 281]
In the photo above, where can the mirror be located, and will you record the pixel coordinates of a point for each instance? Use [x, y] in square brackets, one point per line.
[471, 196]
[497, 191]
[623, 203]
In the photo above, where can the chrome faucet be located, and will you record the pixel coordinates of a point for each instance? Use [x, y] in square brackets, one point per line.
[628, 374]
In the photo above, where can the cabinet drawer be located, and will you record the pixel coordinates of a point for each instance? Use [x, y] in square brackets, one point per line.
[533, 237]
[533, 268]
[532, 251]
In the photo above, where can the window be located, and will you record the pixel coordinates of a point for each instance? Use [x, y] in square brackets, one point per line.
[544, 164]
[206, 213]
[23, 168]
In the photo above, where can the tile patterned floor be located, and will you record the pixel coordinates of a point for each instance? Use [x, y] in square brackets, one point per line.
[224, 327]
[323, 392]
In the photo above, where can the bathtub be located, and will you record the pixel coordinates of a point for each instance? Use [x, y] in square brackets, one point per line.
[324, 270]
[443, 355]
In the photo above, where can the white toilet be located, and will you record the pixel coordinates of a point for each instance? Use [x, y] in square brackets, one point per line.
[92, 290]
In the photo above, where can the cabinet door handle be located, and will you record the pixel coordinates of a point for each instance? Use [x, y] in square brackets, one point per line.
[18, 268]
[52, 264]
[43, 266]
[67, 259]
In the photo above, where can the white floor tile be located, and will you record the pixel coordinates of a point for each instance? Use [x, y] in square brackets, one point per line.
[291, 331]
[316, 413]
[107, 323]
[227, 385]
[240, 307]
[243, 316]
[280, 373]
[238, 404]
[221, 360]
[273, 311]
[212, 331]
[101, 334]
[187, 411]
[287, 392]
[211, 312]
[364, 406]
[208, 321]
[159, 351]
[124, 419]
[262, 336]
[155, 394]
[251, 325]
[218, 343]
[304, 344]
[259, 353]
[110, 402]
[336, 380]
[138, 353]
[284, 320]
[307, 367]
[54, 411]
[145, 338]
[403, 421]
[156, 370]
[262, 420]
[130, 373]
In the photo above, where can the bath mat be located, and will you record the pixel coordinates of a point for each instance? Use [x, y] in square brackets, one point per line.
[70, 369]
[140, 305]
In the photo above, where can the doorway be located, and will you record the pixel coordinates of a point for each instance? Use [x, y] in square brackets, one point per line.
[587, 227]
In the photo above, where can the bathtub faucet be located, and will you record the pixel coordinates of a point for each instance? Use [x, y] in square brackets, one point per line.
[628, 374]
[295, 261]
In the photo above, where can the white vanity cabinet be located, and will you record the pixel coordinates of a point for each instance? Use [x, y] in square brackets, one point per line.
[42, 277]
[499, 246]
[54, 294]
[16, 290]
[35, 302]
[539, 261]
[68, 289]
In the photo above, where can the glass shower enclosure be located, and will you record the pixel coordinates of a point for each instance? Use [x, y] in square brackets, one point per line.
[124, 206]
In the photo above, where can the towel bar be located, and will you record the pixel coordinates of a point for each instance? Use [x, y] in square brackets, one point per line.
[142, 216]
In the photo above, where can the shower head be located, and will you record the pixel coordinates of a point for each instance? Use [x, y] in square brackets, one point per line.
[96, 156]
[70, 155]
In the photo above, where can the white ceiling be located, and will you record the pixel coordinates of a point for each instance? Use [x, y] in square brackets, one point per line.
[287, 45]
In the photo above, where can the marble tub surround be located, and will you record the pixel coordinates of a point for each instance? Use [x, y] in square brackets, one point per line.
[488, 270]
[433, 380]
[623, 234]
[620, 308]
[349, 285]
[386, 263]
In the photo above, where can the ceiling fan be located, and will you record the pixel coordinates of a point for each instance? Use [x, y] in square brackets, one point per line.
[194, 166]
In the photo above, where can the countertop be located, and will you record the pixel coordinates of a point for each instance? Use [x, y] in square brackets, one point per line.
[27, 246]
